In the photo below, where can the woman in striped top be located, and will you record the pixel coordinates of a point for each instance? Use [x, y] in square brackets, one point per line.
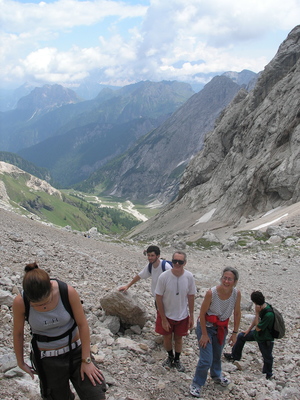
[212, 328]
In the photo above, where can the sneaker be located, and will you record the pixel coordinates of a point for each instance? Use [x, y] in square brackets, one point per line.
[195, 390]
[222, 381]
[179, 366]
[168, 363]
[228, 357]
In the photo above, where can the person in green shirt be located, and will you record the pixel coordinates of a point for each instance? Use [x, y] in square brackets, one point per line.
[263, 323]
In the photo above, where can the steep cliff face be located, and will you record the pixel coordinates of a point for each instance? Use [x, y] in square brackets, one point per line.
[250, 163]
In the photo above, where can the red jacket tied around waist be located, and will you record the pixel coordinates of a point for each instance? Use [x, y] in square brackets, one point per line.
[221, 325]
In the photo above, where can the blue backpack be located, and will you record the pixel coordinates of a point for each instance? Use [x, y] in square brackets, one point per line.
[163, 265]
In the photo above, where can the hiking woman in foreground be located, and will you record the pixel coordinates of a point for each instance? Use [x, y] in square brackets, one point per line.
[60, 338]
[212, 328]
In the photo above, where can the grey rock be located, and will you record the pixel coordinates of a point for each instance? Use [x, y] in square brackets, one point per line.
[274, 240]
[14, 372]
[229, 246]
[124, 306]
[6, 298]
[136, 329]
[211, 237]
[7, 361]
[112, 323]
[289, 242]
[278, 231]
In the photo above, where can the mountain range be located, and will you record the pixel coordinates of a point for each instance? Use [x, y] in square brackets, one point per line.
[250, 162]
[151, 169]
[77, 137]
[95, 140]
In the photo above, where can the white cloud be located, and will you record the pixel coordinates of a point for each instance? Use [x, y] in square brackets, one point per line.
[62, 14]
[167, 40]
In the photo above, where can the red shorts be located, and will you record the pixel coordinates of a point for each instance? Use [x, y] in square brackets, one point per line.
[179, 328]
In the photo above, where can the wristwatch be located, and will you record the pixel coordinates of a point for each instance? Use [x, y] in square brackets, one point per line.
[87, 360]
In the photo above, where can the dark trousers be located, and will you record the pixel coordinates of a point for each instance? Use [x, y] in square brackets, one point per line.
[58, 375]
[265, 348]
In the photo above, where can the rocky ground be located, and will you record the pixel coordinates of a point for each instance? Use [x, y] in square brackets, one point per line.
[97, 265]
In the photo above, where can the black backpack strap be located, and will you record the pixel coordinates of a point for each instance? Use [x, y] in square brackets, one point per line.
[150, 268]
[64, 294]
[265, 311]
[47, 339]
[63, 290]
[27, 305]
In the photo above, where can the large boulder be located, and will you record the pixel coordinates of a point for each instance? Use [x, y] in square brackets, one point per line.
[124, 306]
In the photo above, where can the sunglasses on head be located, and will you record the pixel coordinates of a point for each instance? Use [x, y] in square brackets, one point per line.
[180, 262]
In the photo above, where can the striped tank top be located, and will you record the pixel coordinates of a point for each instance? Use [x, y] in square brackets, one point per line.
[221, 308]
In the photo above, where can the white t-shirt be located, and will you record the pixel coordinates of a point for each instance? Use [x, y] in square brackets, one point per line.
[155, 274]
[175, 291]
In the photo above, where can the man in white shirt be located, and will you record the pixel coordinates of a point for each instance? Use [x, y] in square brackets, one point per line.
[175, 297]
[157, 267]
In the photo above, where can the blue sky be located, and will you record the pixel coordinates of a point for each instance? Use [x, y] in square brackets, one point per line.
[63, 41]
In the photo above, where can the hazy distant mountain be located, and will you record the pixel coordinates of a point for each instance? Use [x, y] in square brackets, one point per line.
[52, 111]
[44, 99]
[97, 130]
[9, 98]
[19, 127]
[88, 90]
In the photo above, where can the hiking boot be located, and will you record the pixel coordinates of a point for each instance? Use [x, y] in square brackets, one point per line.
[195, 390]
[228, 357]
[270, 377]
[168, 363]
[222, 381]
[179, 366]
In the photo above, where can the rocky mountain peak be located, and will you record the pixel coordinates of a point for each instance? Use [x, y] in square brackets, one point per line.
[241, 78]
[283, 63]
[47, 98]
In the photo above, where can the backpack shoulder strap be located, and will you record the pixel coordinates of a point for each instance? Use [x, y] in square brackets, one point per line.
[164, 264]
[63, 291]
[150, 268]
[265, 311]
[27, 306]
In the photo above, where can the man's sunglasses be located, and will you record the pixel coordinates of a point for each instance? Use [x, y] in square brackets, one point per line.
[180, 262]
